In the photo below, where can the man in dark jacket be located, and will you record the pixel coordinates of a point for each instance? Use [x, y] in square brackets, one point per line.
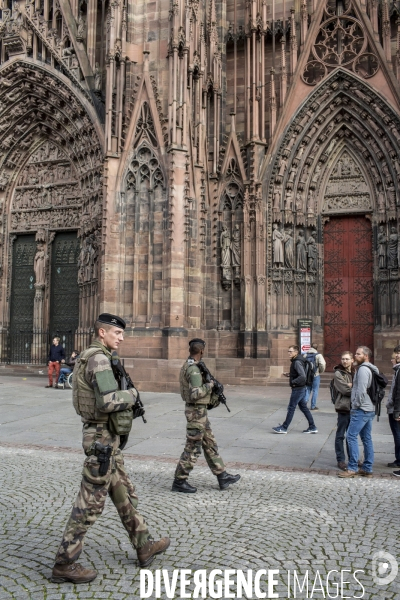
[54, 360]
[393, 409]
[343, 382]
[297, 381]
[67, 369]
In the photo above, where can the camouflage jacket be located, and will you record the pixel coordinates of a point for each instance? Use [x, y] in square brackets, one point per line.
[193, 390]
[95, 390]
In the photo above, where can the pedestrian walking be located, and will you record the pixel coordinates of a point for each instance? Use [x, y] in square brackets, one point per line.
[319, 365]
[198, 397]
[106, 412]
[343, 383]
[297, 381]
[54, 360]
[361, 416]
[394, 397]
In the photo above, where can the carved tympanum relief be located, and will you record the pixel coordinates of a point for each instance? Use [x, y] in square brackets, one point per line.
[347, 189]
[47, 192]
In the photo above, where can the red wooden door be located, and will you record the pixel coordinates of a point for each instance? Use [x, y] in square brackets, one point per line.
[348, 288]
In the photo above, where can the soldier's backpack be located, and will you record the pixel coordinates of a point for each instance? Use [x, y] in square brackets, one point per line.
[376, 390]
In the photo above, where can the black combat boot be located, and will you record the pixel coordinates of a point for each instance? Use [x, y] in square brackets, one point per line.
[225, 480]
[182, 485]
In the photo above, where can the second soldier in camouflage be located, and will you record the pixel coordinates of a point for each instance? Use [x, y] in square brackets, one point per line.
[197, 395]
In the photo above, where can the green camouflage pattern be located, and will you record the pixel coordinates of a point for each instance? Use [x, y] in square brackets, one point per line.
[91, 400]
[92, 495]
[193, 390]
[198, 435]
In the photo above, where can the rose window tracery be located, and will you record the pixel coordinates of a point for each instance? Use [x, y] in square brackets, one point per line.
[341, 42]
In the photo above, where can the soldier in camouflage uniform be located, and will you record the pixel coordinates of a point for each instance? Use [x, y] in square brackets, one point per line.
[102, 407]
[198, 396]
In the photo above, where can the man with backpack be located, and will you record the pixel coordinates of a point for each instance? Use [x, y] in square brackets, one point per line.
[361, 416]
[300, 375]
[318, 366]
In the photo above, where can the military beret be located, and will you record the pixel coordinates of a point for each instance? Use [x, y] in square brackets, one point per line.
[111, 320]
[197, 341]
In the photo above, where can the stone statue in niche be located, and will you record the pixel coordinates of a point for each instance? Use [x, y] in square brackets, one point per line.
[277, 199]
[226, 263]
[289, 249]
[80, 34]
[301, 250]
[311, 202]
[282, 167]
[225, 247]
[393, 261]
[289, 200]
[97, 78]
[381, 201]
[277, 240]
[312, 251]
[382, 244]
[299, 202]
[39, 265]
[236, 254]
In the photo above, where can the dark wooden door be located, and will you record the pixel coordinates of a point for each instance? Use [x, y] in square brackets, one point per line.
[64, 311]
[22, 299]
[348, 288]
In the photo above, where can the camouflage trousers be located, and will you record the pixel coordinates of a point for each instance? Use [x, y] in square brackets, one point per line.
[92, 495]
[198, 435]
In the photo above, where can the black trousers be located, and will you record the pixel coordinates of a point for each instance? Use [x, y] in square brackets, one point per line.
[343, 420]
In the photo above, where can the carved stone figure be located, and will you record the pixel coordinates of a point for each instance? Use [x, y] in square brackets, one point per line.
[312, 251]
[301, 250]
[277, 199]
[282, 167]
[289, 249]
[382, 244]
[393, 261]
[311, 202]
[81, 28]
[225, 247]
[235, 246]
[97, 77]
[277, 240]
[39, 266]
[381, 201]
[289, 200]
[299, 202]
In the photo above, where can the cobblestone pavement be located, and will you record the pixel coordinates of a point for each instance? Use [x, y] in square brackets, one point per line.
[269, 520]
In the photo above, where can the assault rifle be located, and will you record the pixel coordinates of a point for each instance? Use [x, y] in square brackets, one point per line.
[126, 383]
[218, 388]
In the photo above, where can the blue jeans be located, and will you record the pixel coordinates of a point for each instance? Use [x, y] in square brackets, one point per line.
[64, 372]
[312, 392]
[298, 397]
[395, 427]
[360, 425]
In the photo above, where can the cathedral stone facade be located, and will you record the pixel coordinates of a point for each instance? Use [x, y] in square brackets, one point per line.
[216, 169]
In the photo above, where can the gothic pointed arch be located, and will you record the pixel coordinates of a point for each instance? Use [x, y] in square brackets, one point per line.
[344, 124]
[51, 168]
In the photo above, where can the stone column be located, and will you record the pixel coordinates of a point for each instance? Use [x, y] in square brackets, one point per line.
[39, 341]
